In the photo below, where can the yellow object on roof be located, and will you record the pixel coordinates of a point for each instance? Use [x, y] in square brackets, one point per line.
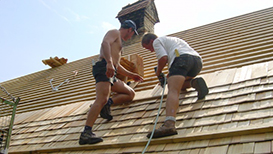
[54, 62]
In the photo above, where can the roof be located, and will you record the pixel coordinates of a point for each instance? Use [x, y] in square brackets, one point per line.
[235, 117]
[238, 110]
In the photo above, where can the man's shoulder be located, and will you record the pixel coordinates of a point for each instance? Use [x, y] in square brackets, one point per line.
[113, 31]
[160, 39]
[163, 38]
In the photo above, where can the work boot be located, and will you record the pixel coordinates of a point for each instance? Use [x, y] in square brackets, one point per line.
[167, 129]
[201, 87]
[105, 112]
[87, 137]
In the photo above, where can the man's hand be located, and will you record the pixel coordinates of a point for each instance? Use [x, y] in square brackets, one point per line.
[161, 77]
[137, 78]
[110, 70]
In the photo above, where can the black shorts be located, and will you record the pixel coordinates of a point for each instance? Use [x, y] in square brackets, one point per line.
[99, 73]
[186, 65]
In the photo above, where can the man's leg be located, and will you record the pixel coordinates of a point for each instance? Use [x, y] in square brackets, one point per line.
[197, 83]
[174, 87]
[124, 94]
[175, 84]
[187, 83]
[102, 94]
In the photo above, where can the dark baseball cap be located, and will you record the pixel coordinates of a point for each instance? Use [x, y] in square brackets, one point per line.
[130, 24]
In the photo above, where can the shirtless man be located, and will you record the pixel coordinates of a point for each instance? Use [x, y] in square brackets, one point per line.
[104, 72]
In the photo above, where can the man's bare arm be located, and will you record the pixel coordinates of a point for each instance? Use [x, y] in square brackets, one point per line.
[121, 70]
[161, 64]
[109, 38]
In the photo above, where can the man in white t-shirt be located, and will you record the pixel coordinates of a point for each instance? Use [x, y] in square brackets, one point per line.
[184, 65]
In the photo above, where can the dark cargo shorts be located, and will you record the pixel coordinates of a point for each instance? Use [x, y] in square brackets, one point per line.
[186, 65]
[99, 73]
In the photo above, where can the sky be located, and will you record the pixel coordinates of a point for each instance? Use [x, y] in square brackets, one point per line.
[34, 30]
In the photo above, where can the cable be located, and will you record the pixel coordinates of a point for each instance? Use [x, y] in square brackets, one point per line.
[162, 95]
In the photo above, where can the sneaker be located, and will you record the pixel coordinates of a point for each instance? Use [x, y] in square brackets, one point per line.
[166, 129]
[89, 138]
[201, 87]
[105, 112]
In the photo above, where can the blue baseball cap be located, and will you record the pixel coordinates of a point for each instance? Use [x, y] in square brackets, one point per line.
[130, 24]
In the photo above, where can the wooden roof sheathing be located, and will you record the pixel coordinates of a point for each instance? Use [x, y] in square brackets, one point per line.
[237, 112]
[236, 116]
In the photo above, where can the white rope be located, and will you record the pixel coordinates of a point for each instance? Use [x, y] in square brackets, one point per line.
[162, 95]
[65, 81]
[56, 87]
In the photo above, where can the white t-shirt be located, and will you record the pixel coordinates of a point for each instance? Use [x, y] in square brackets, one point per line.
[166, 46]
